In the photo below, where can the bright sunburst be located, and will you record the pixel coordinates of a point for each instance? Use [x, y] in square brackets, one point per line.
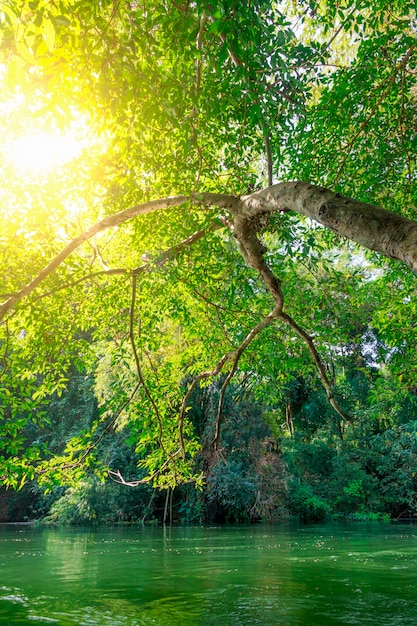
[39, 152]
[39, 135]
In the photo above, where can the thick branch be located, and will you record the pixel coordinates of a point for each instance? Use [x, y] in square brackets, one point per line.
[253, 252]
[373, 227]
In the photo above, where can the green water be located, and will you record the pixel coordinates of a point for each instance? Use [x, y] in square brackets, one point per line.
[317, 575]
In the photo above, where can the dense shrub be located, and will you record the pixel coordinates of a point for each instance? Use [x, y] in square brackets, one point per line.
[305, 504]
[94, 502]
[233, 487]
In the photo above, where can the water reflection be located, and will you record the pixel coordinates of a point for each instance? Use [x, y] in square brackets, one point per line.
[67, 558]
[209, 576]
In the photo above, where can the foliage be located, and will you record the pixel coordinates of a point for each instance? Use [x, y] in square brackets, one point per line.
[371, 474]
[164, 99]
[306, 505]
[234, 489]
[192, 508]
[93, 502]
[393, 459]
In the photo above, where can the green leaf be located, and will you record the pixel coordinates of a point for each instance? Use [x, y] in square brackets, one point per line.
[48, 33]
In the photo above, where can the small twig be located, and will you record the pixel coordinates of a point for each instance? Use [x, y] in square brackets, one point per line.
[91, 276]
[339, 30]
[106, 28]
[237, 62]
[118, 478]
[99, 256]
[269, 161]
[204, 375]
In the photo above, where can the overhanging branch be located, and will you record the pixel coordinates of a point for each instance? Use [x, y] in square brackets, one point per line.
[104, 224]
[371, 226]
[159, 261]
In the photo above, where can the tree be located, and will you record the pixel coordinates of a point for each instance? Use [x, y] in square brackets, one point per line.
[222, 111]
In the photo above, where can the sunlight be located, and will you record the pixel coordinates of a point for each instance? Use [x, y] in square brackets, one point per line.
[37, 135]
[39, 152]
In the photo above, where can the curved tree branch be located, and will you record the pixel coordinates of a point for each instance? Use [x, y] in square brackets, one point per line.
[164, 257]
[234, 356]
[318, 363]
[265, 321]
[118, 478]
[389, 233]
[5, 352]
[104, 224]
[373, 227]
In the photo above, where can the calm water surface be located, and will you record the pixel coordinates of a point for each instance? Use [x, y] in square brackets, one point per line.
[316, 575]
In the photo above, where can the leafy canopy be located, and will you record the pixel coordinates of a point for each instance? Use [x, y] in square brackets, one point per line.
[155, 99]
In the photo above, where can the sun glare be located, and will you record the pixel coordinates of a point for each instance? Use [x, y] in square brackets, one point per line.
[39, 152]
[38, 135]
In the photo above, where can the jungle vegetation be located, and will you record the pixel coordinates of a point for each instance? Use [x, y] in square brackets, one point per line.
[208, 250]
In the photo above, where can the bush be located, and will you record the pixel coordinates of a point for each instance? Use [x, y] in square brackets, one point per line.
[94, 502]
[305, 504]
[349, 487]
[393, 460]
[192, 509]
[232, 488]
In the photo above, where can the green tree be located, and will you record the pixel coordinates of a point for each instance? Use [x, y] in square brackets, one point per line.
[244, 144]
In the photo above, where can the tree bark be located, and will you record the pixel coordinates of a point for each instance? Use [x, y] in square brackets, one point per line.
[371, 226]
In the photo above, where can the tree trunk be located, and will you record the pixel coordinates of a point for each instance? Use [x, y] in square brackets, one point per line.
[289, 418]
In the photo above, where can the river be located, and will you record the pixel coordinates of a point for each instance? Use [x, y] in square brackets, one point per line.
[219, 576]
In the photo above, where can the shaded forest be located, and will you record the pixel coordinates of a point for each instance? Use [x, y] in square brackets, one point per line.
[292, 460]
